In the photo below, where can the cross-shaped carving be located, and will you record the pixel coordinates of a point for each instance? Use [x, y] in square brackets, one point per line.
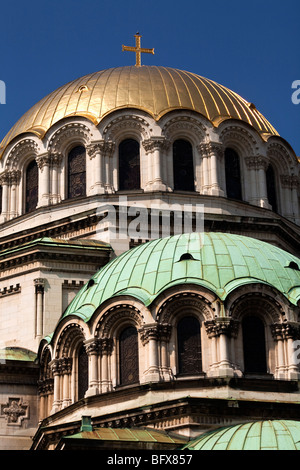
[14, 411]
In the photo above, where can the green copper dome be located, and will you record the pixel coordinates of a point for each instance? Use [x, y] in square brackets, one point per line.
[259, 435]
[220, 262]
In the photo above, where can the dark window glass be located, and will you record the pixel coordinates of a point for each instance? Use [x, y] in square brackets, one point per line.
[233, 174]
[189, 346]
[183, 168]
[271, 188]
[254, 345]
[77, 172]
[129, 165]
[129, 357]
[82, 372]
[31, 187]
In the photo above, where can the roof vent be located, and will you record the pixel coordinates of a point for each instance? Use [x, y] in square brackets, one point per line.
[186, 257]
[90, 283]
[293, 265]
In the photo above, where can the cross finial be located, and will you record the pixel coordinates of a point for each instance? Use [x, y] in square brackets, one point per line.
[137, 49]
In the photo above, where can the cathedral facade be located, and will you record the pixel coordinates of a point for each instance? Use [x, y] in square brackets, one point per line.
[146, 324]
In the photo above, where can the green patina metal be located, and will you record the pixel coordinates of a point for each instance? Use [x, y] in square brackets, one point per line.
[17, 354]
[259, 435]
[48, 242]
[221, 263]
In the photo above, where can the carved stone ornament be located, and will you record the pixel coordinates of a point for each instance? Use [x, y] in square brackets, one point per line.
[15, 411]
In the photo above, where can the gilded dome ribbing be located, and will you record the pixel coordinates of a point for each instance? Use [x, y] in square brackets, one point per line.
[155, 90]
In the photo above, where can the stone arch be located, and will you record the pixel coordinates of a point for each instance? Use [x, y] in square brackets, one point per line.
[70, 336]
[240, 138]
[126, 126]
[68, 136]
[115, 318]
[176, 303]
[184, 127]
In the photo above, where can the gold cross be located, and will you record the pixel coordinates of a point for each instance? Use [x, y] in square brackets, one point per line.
[137, 49]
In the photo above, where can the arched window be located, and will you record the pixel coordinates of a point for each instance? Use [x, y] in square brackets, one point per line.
[82, 372]
[254, 345]
[183, 167]
[233, 174]
[31, 187]
[129, 356]
[189, 346]
[271, 188]
[77, 172]
[129, 165]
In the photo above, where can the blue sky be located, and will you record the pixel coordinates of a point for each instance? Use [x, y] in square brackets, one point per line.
[251, 47]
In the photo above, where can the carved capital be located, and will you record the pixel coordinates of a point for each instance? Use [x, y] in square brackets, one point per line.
[43, 160]
[106, 346]
[155, 143]
[285, 330]
[257, 162]
[226, 326]
[102, 147]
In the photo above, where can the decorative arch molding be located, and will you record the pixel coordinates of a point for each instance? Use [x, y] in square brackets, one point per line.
[71, 334]
[19, 155]
[177, 304]
[184, 127]
[240, 139]
[69, 135]
[281, 158]
[116, 317]
[257, 303]
[125, 126]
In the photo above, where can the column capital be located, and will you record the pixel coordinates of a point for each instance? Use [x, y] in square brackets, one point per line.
[43, 160]
[102, 147]
[285, 330]
[257, 162]
[106, 345]
[225, 325]
[155, 143]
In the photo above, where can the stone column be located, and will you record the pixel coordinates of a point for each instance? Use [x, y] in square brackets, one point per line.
[92, 349]
[4, 182]
[15, 176]
[43, 162]
[154, 147]
[55, 159]
[222, 330]
[212, 154]
[39, 314]
[215, 150]
[292, 333]
[164, 336]
[202, 149]
[258, 166]
[56, 371]
[287, 202]
[105, 345]
[287, 337]
[149, 338]
[295, 203]
[96, 153]
[66, 369]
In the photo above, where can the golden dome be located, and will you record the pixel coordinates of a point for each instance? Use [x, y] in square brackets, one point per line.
[155, 90]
